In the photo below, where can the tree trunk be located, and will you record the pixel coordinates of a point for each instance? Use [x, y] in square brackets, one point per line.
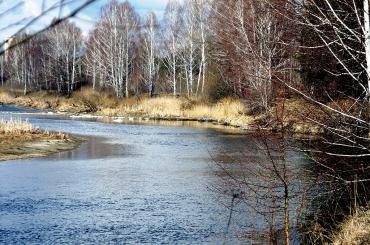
[174, 65]
[94, 75]
[286, 215]
[73, 65]
[2, 70]
[127, 65]
[203, 63]
[367, 43]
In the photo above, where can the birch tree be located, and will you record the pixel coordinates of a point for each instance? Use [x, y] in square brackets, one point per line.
[113, 46]
[189, 44]
[2, 67]
[64, 50]
[172, 25]
[150, 51]
[23, 64]
[203, 20]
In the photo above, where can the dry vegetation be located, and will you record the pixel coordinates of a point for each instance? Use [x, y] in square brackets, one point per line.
[19, 139]
[15, 127]
[297, 115]
[355, 230]
[231, 110]
[228, 111]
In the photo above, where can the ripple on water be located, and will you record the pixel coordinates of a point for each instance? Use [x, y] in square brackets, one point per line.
[127, 184]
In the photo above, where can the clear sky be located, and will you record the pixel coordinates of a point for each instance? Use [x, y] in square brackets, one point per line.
[28, 9]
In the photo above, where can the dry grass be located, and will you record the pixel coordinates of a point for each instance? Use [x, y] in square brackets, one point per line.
[19, 139]
[161, 107]
[355, 230]
[141, 106]
[298, 115]
[225, 109]
[22, 130]
[229, 110]
[5, 97]
[15, 126]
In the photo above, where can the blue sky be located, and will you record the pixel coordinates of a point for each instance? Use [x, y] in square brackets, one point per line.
[27, 9]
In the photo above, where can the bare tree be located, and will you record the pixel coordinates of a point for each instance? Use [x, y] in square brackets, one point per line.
[32, 68]
[189, 43]
[251, 36]
[112, 46]
[23, 64]
[26, 23]
[64, 50]
[204, 7]
[2, 68]
[171, 40]
[151, 65]
[342, 28]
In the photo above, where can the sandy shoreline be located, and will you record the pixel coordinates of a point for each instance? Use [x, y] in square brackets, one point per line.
[35, 144]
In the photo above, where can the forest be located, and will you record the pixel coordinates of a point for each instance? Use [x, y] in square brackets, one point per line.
[269, 55]
[252, 50]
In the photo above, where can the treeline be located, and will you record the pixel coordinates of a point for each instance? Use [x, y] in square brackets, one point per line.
[252, 49]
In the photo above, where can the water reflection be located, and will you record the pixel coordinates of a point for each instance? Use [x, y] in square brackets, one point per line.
[95, 148]
[255, 175]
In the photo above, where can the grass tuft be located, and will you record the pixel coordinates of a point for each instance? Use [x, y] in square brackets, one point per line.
[15, 126]
[355, 230]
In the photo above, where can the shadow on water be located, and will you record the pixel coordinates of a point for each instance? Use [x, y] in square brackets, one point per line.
[95, 148]
[247, 176]
[17, 109]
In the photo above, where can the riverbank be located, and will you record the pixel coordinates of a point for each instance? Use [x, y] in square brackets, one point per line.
[228, 112]
[19, 140]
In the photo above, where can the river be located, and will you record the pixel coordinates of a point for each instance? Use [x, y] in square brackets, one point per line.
[133, 183]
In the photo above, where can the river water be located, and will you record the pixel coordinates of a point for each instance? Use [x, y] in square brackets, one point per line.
[128, 183]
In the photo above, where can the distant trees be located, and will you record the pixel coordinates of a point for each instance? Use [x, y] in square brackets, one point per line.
[111, 47]
[122, 53]
[255, 46]
[189, 45]
[203, 8]
[23, 56]
[51, 60]
[21, 68]
[194, 34]
[62, 57]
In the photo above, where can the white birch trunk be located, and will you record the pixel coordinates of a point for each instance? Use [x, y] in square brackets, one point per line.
[174, 64]
[367, 43]
[73, 65]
